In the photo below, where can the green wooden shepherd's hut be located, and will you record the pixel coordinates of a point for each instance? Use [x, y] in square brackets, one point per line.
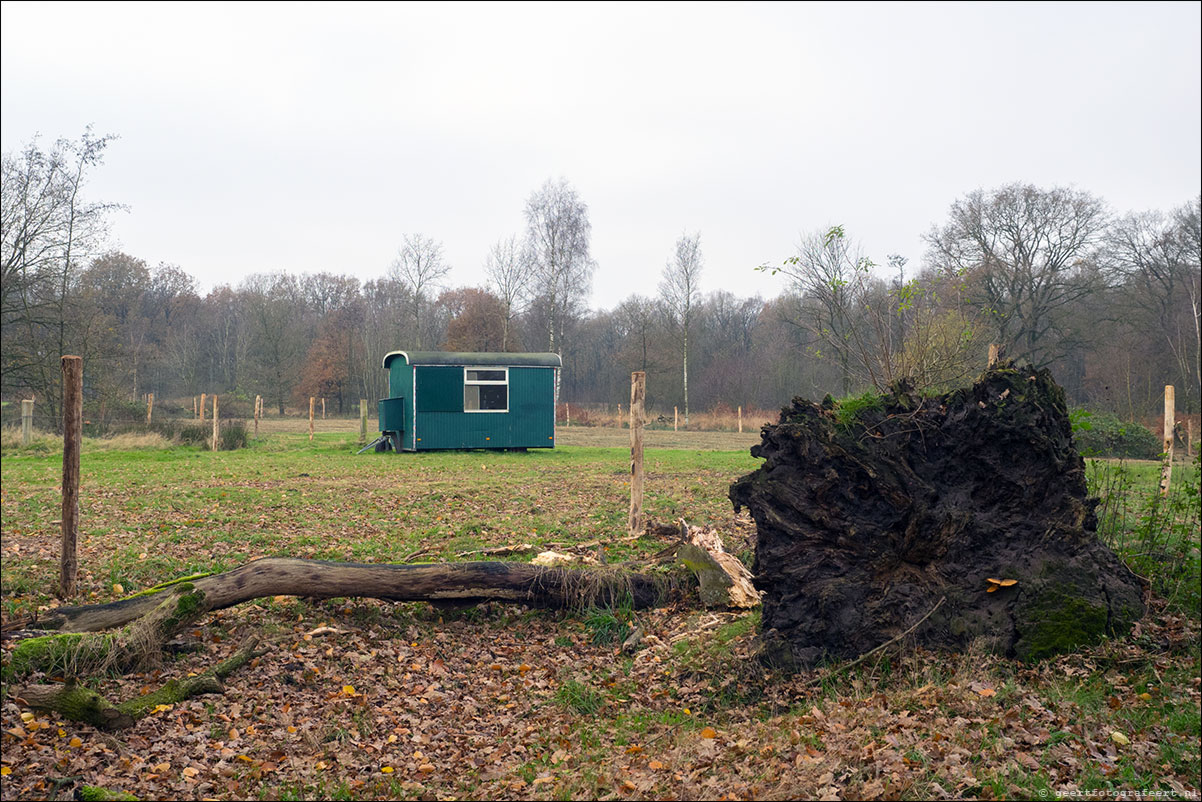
[446, 400]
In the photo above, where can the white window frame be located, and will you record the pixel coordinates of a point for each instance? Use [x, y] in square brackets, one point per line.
[479, 383]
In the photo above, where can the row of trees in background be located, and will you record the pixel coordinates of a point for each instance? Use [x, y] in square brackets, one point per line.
[1111, 303]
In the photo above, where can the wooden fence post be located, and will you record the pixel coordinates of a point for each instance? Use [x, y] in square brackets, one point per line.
[362, 421]
[216, 423]
[567, 411]
[203, 398]
[676, 419]
[740, 420]
[311, 401]
[1170, 416]
[323, 408]
[72, 436]
[1189, 438]
[621, 422]
[149, 407]
[27, 422]
[638, 391]
[195, 414]
[258, 411]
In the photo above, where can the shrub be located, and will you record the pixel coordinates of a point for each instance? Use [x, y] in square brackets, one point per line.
[233, 435]
[1101, 434]
[185, 432]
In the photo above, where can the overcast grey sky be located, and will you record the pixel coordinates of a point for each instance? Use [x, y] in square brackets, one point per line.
[307, 137]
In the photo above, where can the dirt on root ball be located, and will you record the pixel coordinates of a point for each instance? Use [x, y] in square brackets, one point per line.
[867, 514]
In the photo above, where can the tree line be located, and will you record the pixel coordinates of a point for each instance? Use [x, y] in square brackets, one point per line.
[1111, 302]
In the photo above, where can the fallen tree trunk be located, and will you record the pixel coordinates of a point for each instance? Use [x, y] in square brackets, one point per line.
[84, 704]
[466, 582]
[152, 618]
[138, 644]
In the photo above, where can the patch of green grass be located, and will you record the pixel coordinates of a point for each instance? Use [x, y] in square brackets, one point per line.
[1158, 536]
[191, 511]
[851, 410]
[607, 626]
[576, 696]
[298, 792]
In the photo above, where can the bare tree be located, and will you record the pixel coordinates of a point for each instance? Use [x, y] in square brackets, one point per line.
[278, 341]
[385, 302]
[1026, 248]
[1188, 222]
[420, 267]
[637, 322]
[508, 269]
[823, 273]
[48, 230]
[557, 238]
[680, 291]
[1154, 259]
[115, 292]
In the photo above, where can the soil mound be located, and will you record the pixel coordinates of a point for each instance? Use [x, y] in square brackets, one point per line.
[870, 512]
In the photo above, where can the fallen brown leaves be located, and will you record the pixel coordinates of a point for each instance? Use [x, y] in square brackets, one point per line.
[394, 700]
[476, 704]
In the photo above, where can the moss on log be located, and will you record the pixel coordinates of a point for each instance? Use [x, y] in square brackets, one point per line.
[76, 703]
[86, 654]
[462, 582]
[86, 705]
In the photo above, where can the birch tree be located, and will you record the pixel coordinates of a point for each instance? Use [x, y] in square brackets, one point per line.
[507, 266]
[680, 291]
[420, 267]
[557, 239]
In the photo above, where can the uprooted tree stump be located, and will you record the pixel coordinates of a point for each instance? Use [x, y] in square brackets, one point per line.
[868, 514]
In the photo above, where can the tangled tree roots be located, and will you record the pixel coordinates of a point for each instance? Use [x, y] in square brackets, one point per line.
[866, 517]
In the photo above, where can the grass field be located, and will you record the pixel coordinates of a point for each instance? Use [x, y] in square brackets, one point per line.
[405, 701]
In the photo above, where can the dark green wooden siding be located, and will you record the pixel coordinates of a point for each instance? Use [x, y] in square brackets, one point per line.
[400, 385]
[439, 389]
[529, 423]
[400, 380]
[438, 420]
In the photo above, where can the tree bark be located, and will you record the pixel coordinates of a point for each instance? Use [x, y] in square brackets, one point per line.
[83, 704]
[72, 436]
[638, 392]
[79, 654]
[723, 580]
[474, 581]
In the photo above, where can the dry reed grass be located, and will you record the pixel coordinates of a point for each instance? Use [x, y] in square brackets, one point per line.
[719, 419]
[42, 443]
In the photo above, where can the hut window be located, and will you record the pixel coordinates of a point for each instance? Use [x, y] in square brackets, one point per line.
[486, 389]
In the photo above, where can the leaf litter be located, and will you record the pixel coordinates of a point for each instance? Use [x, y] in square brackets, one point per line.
[367, 699]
